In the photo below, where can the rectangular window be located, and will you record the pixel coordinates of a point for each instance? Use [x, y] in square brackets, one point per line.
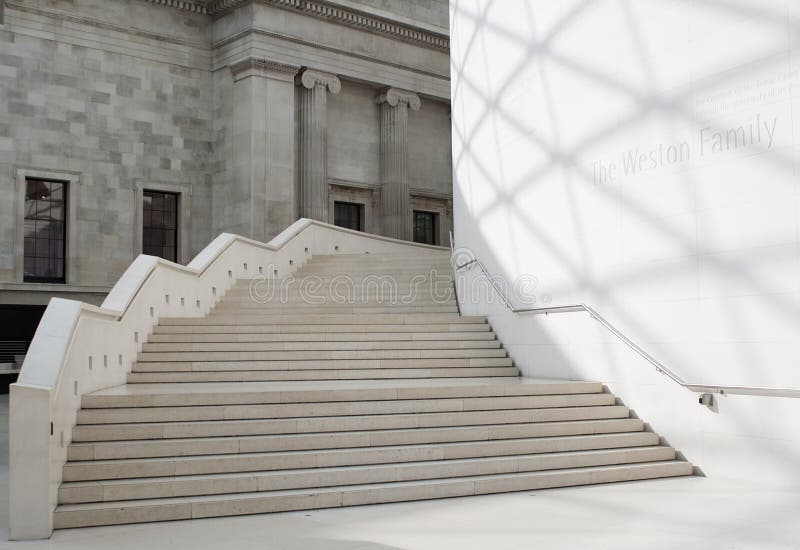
[45, 231]
[160, 225]
[349, 215]
[426, 225]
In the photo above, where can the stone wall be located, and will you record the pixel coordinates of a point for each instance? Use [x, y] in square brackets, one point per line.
[124, 95]
[117, 110]
[354, 135]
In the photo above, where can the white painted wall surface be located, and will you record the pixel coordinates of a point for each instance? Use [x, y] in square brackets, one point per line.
[586, 154]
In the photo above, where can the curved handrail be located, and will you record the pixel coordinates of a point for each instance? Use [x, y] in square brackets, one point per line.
[659, 366]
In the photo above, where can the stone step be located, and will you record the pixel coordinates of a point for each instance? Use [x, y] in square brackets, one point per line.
[328, 319]
[344, 297]
[320, 375]
[341, 337]
[373, 258]
[200, 365]
[317, 329]
[109, 450]
[338, 408]
[138, 511]
[313, 478]
[207, 346]
[361, 305]
[338, 286]
[222, 428]
[332, 286]
[93, 470]
[374, 356]
[255, 393]
[380, 267]
[437, 257]
[279, 308]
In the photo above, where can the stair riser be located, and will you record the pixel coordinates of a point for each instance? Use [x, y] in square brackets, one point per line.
[299, 410]
[267, 309]
[339, 440]
[320, 364]
[349, 337]
[278, 308]
[320, 375]
[285, 357]
[319, 330]
[332, 292]
[306, 479]
[382, 319]
[88, 471]
[355, 496]
[182, 347]
[178, 429]
[455, 391]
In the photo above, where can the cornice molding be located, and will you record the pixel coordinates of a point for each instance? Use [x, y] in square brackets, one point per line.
[395, 96]
[321, 9]
[259, 66]
[310, 78]
[196, 6]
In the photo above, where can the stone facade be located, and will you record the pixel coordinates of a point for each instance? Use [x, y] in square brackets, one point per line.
[255, 112]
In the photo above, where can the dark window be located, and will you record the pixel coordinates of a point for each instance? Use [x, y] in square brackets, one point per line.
[348, 214]
[45, 231]
[160, 225]
[425, 227]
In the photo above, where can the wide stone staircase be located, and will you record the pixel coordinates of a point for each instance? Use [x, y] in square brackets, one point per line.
[356, 381]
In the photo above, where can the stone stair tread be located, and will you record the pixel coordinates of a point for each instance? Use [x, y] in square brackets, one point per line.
[193, 428]
[600, 438]
[242, 387]
[361, 467]
[477, 433]
[468, 486]
[327, 374]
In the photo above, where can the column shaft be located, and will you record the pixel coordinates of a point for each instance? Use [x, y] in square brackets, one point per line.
[394, 170]
[313, 152]
[394, 105]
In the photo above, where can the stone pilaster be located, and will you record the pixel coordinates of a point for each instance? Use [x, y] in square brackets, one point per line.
[313, 150]
[394, 105]
[260, 202]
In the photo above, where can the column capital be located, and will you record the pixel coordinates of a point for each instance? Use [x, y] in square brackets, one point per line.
[265, 68]
[396, 96]
[310, 78]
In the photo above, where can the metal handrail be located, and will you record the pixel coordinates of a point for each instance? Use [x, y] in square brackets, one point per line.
[659, 366]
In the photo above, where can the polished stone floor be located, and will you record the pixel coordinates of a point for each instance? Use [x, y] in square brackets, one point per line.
[702, 513]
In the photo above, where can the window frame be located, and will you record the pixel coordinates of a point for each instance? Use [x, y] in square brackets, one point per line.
[175, 228]
[360, 209]
[43, 279]
[435, 218]
[183, 223]
[72, 181]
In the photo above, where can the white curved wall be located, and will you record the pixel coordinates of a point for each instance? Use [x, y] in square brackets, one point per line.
[641, 157]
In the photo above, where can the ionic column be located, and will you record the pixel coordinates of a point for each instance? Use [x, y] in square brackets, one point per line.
[394, 105]
[314, 87]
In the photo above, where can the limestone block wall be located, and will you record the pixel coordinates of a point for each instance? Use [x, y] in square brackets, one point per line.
[125, 95]
[429, 152]
[354, 135]
[108, 105]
